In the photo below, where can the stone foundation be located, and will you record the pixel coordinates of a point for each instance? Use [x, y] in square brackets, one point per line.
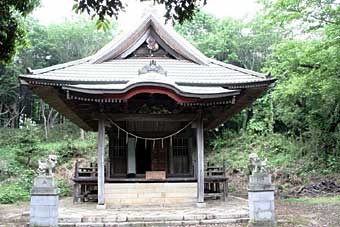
[153, 194]
[44, 202]
[261, 208]
[261, 201]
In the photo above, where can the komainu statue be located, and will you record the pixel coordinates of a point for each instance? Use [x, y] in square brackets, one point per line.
[47, 166]
[256, 165]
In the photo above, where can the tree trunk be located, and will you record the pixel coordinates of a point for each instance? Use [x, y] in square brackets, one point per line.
[82, 134]
[42, 105]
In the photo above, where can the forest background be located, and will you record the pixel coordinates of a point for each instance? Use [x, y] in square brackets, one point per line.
[296, 125]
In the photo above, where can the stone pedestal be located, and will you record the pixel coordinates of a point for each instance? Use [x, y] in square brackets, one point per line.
[261, 201]
[44, 202]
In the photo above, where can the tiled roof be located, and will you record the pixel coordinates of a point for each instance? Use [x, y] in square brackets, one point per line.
[122, 71]
[192, 68]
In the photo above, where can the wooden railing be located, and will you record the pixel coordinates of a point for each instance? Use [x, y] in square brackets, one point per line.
[90, 171]
[215, 182]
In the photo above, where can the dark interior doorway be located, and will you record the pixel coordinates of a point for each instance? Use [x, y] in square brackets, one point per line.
[143, 157]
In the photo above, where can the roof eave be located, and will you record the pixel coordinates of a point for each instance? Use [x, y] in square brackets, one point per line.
[95, 91]
[251, 84]
[30, 79]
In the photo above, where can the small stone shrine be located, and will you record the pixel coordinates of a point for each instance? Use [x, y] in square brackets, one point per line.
[260, 194]
[45, 195]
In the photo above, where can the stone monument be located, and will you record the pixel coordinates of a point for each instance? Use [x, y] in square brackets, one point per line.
[45, 195]
[260, 194]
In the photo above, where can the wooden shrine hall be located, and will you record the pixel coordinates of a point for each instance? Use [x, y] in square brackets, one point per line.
[151, 94]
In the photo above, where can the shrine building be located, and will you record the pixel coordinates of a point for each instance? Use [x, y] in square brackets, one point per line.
[151, 94]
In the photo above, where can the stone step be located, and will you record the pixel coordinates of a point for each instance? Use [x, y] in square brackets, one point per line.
[169, 220]
[156, 223]
[151, 218]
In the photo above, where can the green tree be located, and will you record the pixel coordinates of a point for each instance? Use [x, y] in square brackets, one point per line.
[218, 39]
[246, 44]
[307, 95]
[28, 140]
[12, 32]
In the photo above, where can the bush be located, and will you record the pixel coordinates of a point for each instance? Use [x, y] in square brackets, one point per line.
[64, 187]
[11, 192]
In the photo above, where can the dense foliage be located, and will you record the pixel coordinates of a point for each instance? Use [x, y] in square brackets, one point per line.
[20, 150]
[299, 119]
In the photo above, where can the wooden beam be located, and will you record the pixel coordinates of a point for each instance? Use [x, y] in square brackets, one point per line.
[101, 161]
[151, 117]
[200, 161]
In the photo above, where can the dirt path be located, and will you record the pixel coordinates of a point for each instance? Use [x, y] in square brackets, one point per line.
[293, 214]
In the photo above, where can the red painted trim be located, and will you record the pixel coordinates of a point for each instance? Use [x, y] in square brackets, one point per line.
[151, 90]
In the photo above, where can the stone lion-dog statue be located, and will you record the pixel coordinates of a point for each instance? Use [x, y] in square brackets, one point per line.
[47, 166]
[256, 165]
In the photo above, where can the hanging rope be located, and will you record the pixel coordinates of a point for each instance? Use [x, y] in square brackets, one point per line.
[153, 138]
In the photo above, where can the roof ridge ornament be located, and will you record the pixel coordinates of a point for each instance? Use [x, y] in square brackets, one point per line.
[152, 67]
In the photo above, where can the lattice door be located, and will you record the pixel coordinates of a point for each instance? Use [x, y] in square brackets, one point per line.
[118, 155]
[159, 156]
[181, 158]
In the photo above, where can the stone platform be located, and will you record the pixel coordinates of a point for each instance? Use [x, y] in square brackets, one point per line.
[234, 210]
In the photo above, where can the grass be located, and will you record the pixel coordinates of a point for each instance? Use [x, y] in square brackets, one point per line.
[315, 201]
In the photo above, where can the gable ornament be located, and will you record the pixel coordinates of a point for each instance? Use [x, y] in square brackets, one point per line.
[152, 44]
[152, 67]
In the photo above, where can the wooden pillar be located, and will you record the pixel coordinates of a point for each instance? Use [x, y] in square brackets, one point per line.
[200, 161]
[101, 163]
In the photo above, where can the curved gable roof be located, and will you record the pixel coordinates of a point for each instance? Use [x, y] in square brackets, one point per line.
[110, 64]
[176, 42]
